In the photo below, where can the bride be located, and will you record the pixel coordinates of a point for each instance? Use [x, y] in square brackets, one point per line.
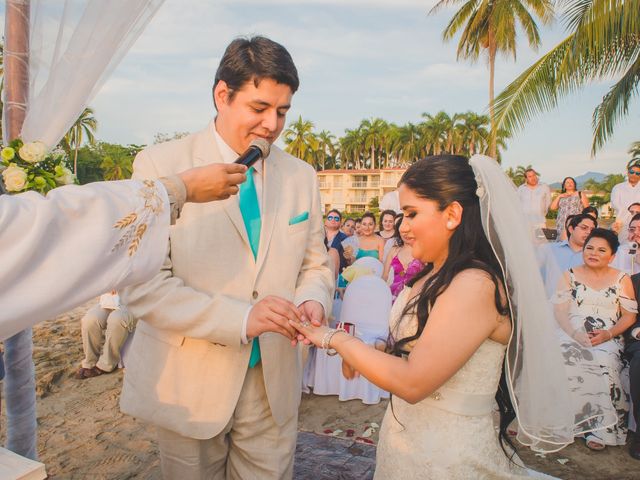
[449, 331]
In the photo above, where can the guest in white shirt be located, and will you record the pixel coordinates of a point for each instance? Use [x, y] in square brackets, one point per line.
[111, 320]
[627, 259]
[535, 198]
[623, 195]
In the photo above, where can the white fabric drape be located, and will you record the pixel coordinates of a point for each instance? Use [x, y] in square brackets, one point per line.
[74, 46]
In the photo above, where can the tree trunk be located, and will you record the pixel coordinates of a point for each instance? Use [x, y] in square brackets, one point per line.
[16, 66]
[492, 114]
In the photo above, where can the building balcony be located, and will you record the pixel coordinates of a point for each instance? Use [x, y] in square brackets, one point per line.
[323, 185]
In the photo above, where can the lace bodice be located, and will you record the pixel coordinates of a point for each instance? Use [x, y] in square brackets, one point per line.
[449, 435]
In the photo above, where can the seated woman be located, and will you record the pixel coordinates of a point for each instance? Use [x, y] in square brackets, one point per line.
[401, 261]
[367, 244]
[594, 305]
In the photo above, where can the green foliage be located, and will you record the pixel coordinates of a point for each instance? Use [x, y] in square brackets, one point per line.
[489, 27]
[89, 161]
[603, 42]
[117, 161]
[376, 143]
[517, 175]
[604, 186]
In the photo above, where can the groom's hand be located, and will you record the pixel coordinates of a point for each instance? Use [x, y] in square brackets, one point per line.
[272, 314]
[216, 181]
[314, 312]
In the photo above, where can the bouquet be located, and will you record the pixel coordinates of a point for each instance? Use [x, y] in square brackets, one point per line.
[28, 166]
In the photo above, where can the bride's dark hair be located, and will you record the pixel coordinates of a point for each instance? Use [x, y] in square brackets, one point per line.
[446, 179]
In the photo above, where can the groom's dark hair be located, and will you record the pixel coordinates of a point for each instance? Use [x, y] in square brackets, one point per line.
[256, 58]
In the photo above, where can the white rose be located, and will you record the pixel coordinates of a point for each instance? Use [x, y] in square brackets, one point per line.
[67, 178]
[33, 152]
[15, 178]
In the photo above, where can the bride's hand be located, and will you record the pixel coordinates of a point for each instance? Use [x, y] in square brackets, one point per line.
[309, 331]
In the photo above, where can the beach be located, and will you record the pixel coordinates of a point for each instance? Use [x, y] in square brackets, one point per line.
[82, 433]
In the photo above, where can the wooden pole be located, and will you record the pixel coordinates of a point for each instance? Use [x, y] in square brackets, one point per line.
[16, 65]
[19, 383]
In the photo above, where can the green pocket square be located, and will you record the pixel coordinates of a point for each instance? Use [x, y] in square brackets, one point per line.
[299, 218]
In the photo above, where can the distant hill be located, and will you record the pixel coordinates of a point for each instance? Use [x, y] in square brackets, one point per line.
[597, 176]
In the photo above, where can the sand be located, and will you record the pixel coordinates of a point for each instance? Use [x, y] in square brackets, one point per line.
[82, 433]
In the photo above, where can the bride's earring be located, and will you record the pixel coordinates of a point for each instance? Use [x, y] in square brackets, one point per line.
[450, 225]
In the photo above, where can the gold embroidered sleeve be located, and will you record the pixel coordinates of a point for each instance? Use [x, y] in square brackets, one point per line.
[177, 193]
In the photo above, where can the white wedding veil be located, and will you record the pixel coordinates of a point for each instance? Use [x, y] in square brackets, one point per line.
[535, 361]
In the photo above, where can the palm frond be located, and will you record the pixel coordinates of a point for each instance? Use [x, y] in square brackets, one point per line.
[614, 106]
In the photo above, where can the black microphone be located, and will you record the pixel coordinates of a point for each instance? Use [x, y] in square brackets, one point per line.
[258, 149]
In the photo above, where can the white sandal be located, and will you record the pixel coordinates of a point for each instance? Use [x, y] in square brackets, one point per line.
[594, 442]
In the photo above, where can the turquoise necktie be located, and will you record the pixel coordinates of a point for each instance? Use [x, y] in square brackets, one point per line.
[250, 211]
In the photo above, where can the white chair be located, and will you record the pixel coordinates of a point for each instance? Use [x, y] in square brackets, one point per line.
[366, 304]
[374, 264]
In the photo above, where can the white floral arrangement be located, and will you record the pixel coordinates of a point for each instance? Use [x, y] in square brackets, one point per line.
[28, 166]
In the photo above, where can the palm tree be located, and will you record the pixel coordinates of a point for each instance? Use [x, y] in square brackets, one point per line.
[474, 133]
[86, 124]
[326, 149]
[301, 141]
[372, 131]
[116, 167]
[438, 130]
[411, 143]
[352, 149]
[489, 26]
[603, 42]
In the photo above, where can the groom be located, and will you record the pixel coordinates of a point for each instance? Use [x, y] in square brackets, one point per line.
[212, 363]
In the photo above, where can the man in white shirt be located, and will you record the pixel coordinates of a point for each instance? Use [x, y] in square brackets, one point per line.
[623, 195]
[110, 321]
[535, 198]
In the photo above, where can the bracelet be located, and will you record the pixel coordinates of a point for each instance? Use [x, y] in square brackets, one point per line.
[610, 334]
[326, 340]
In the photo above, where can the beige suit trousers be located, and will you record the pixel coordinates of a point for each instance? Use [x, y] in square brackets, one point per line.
[112, 325]
[251, 446]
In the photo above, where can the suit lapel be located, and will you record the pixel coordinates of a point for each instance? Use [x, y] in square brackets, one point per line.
[272, 186]
[205, 152]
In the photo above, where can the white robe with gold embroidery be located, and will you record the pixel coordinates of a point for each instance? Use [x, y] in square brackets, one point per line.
[59, 251]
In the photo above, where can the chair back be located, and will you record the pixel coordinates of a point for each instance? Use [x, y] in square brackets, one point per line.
[373, 263]
[366, 304]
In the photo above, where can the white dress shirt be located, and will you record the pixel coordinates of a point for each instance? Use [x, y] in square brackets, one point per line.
[623, 195]
[535, 203]
[229, 156]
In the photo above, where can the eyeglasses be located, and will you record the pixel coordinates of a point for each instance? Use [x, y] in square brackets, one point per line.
[333, 218]
[634, 172]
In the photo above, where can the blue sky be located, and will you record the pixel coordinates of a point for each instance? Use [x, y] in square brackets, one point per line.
[357, 59]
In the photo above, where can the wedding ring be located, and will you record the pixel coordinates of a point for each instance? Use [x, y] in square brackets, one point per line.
[305, 323]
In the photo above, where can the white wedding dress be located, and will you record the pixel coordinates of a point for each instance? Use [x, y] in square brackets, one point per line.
[451, 434]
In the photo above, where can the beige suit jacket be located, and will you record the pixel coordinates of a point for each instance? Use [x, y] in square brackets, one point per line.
[187, 364]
